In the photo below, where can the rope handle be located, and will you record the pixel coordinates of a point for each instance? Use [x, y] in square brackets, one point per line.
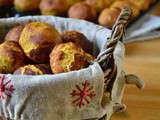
[117, 34]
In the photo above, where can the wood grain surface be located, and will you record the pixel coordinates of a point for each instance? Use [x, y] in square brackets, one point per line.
[142, 59]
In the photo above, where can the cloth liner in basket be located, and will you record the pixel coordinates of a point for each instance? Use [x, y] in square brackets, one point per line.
[93, 93]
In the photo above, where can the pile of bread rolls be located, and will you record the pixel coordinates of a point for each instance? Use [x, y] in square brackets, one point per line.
[103, 12]
[38, 48]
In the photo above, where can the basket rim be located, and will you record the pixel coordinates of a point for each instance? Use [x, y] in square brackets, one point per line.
[57, 17]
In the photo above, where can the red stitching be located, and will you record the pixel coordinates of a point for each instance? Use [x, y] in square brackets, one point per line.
[83, 94]
[6, 89]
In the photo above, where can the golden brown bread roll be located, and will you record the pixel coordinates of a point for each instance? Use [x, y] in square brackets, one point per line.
[72, 2]
[99, 5]
[11, 57]
[53, 7]
[142, 5]
[37, 41]
[78, 38]
[26, 5]
[124, 3]
[83, 11]
[38, 69]
[67, 57]
[14, 33]
[108, 17]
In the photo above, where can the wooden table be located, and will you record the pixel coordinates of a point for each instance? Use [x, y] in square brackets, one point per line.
[142, 59]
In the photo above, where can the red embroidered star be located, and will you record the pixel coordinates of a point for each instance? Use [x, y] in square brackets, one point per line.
[84, 95]
[6, 89]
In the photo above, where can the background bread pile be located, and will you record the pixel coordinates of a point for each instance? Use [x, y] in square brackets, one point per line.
[38, 48]
[103, 12]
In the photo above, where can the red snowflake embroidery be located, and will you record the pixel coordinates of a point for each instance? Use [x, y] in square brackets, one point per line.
[6, 89]
[84, 95]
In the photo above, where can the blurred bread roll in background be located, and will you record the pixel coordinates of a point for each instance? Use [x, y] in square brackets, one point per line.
[26, 5]
[142, 5]
[83, 11]
[108, 17]
[124, 3]
[72, 2]
[53, 7]
[99, 5]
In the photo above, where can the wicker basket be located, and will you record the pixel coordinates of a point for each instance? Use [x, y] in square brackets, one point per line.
[113, 77]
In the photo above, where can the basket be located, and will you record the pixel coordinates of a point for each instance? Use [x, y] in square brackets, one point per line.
[93, 93]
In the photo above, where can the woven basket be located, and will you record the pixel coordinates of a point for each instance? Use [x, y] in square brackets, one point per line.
[114, 77]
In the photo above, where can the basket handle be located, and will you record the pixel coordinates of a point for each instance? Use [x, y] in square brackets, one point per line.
[117, 34]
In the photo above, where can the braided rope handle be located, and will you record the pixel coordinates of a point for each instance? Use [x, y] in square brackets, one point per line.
[117, 34]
